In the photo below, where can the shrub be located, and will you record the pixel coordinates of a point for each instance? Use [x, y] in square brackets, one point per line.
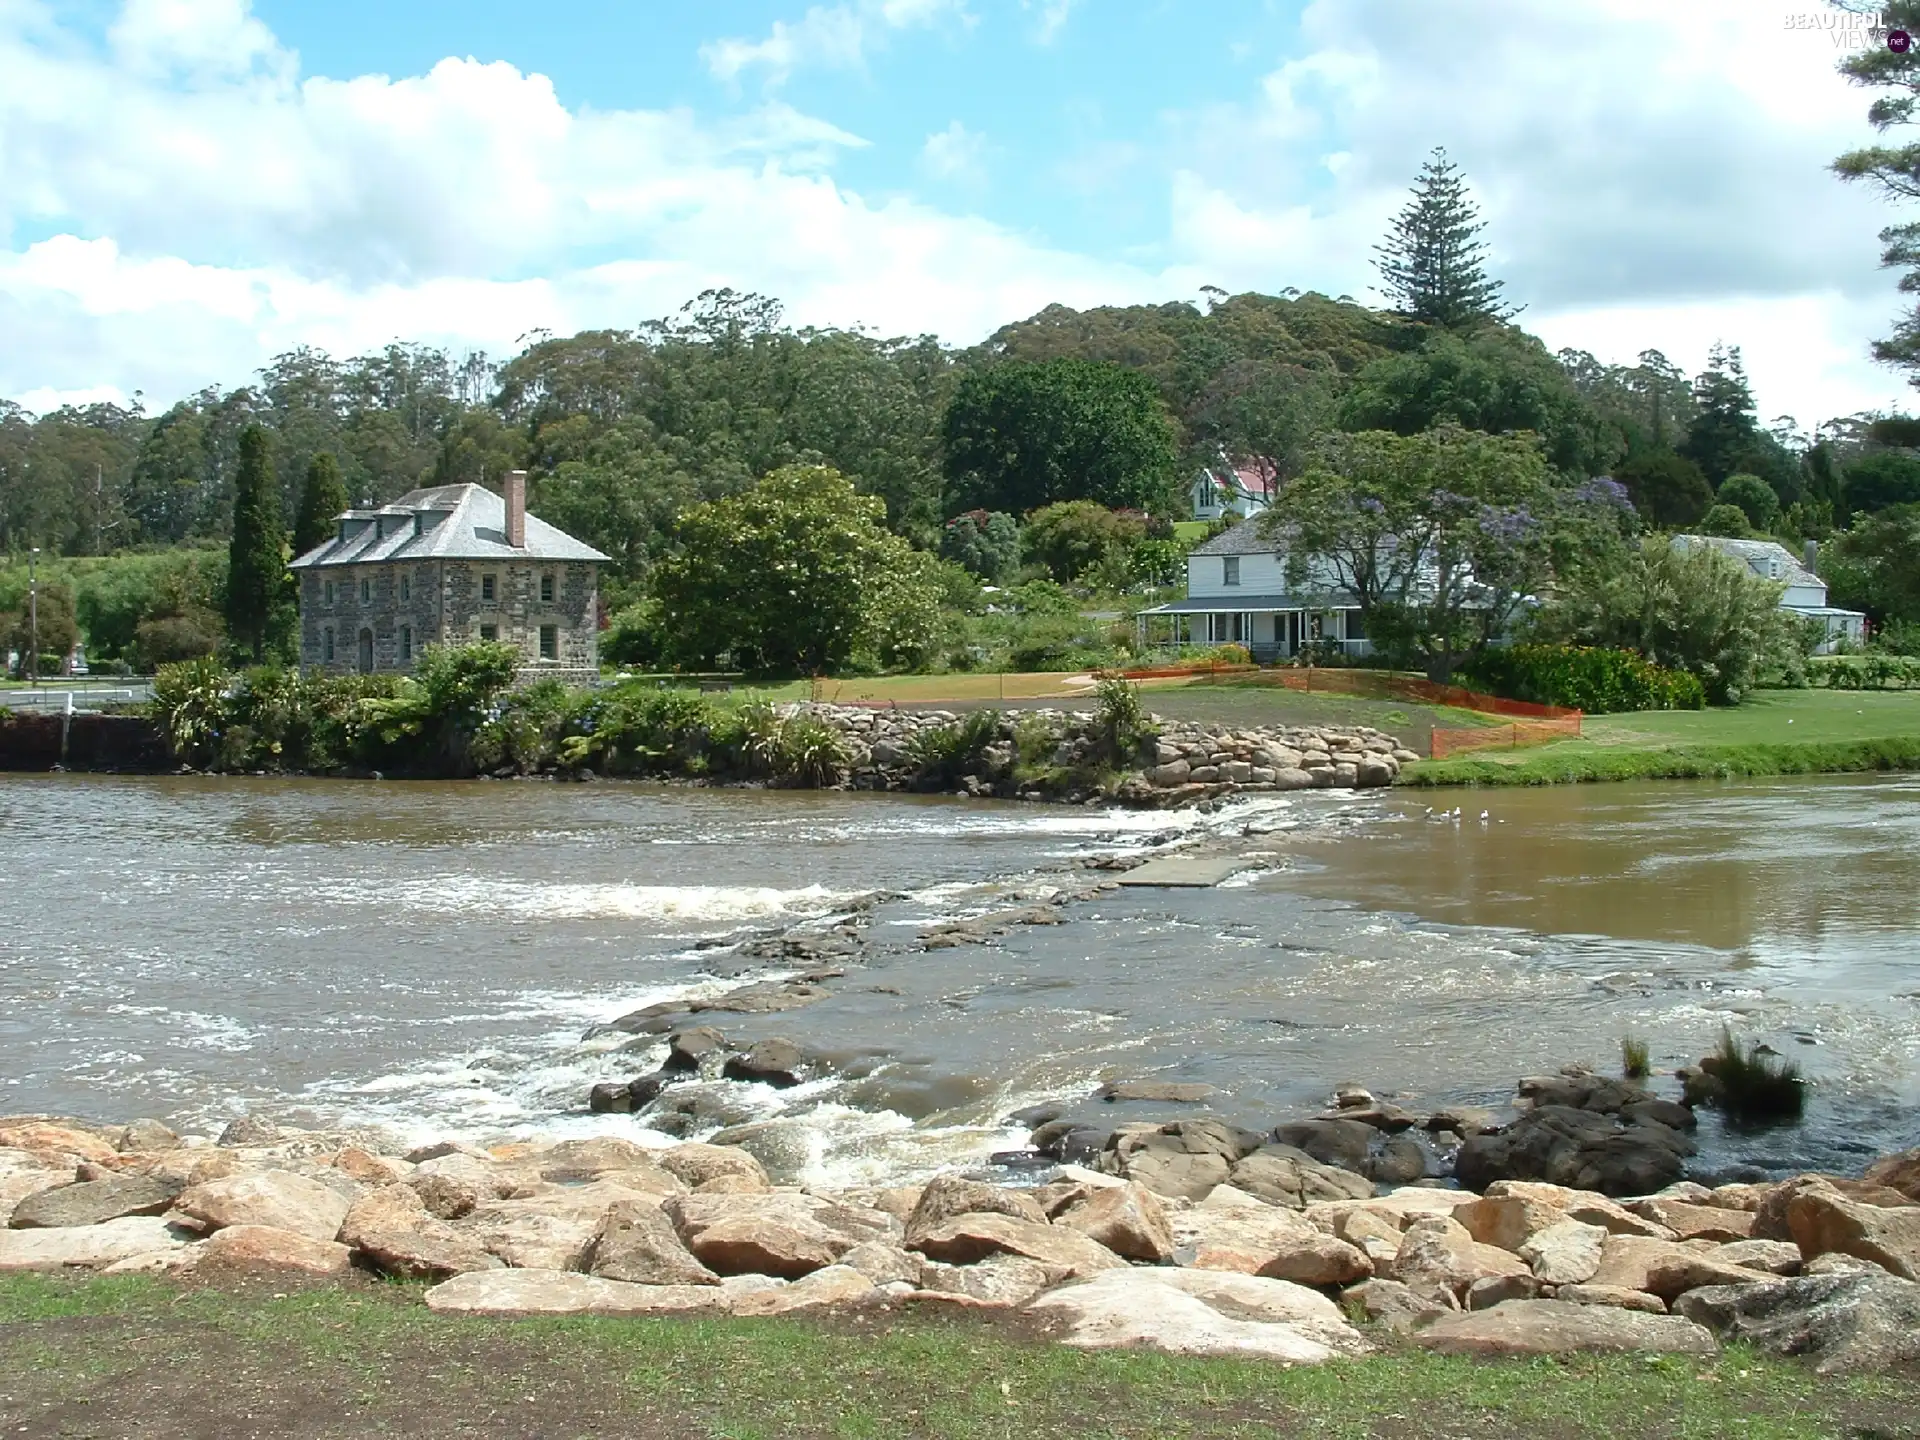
[190, 704]
[1876, 671]
[169, 639]
[1753, 1084]
[811, 754]
[1634, 1060]
[943, 753]
[1728, 521]
[434, 715]
[1598, 680]
[1754, 497]
[1121, 723]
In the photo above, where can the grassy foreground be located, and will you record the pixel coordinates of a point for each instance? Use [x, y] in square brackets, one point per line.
[1777, 732]
[132, 1356]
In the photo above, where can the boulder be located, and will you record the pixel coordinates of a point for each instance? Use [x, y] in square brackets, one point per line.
[91, 1247]
[1824, 1222]
[611, 1097]
[1559, 1327]
[392, 1229]
[885, 1263]
[1243, 1238]
[1494, 1290]
[1281, 1175]
[782, 1234]
[1579, 1148]
[1393, 1306]
[1587, 1206]
[562, 1292]
[261, 1247]
[1165, 1092]
[1770, 1213]
[249, 1131]
[1400, 1160]
[786, 1149]
[1177, 1174]
[1866, 1321]
[1315, 1258]
[1189, 1312]
[694, 1164]
[967, 1238]
[1628, 1261]
[831, 1285]
[687, 1048]
[946, 1197]
[48, 1138]
[637, 1243]
[1673, 1277]
[529, 1237]
[144, 1135]
[1002, 1281]
[1776, 1257]
[1564, 1254]
[1697, 1222]
[1398, 1208]
[445, 1197]
[768, 1062]
[1338, 1142]
[1897, 1172]
[1437, 1256]
[92, 1202]
[1127, 1219]
[18, 1185]
[366, 1168]
[279, 1199]
[1616, 1296]
[604, 1157]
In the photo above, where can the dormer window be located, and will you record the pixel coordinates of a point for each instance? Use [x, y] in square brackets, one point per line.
[1230, 570]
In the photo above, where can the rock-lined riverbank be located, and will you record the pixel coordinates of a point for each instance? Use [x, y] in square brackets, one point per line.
[1164, 1241]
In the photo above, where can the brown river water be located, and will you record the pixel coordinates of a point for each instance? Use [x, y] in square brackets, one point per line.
[429, 957]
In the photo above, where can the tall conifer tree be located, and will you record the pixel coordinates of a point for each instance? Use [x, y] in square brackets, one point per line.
[322, 499]
[259, 600]
[1432, 264]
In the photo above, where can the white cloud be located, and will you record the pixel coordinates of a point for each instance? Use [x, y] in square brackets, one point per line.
[955, 153]
[1634, 159]
[831, 37]
[1052, 20]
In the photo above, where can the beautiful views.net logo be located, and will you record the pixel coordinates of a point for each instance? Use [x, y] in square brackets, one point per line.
[1850, 28]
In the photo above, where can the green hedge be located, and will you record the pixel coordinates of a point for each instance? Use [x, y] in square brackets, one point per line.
[1865, 672]
[1588, 678]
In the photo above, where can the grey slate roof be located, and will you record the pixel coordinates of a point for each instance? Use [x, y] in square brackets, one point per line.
[1768, 559]
[1246, 538]
[446, 522]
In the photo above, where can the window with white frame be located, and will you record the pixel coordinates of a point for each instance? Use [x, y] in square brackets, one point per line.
[486, 587]
[1230, 570]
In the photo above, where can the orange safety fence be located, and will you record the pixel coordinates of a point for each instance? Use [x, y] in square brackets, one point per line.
[1508, 737]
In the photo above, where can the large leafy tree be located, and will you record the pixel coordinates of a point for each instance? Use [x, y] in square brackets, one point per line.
[1439, 536]
[797, 575]
[259, 601]
[322, 497]
[1882, 479]
[1875, 566]
[1077, 536]
[1020, 436]
[1666, 489]
[1433, 263]
[1496, 380]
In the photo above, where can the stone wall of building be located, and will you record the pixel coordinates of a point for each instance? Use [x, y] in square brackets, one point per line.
[402, 608]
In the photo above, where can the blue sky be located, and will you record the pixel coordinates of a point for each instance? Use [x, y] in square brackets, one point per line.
[190, 186]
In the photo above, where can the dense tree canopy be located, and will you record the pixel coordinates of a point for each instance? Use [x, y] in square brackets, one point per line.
[322, 498]
[1433, 263]
[795, 575]
[260, 599]
[1020, 436]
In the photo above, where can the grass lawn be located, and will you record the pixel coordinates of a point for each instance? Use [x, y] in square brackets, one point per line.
[137, 1357]
[1192, 531]
[1776, 732]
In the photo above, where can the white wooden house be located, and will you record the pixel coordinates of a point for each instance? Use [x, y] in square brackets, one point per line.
[1238, 592]
[1805, 594]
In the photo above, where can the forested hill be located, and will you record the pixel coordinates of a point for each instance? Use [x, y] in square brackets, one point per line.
[621, 430]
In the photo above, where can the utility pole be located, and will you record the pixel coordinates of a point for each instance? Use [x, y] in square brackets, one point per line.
[33, 618]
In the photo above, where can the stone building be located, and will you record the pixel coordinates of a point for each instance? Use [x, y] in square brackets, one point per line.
[447, 566]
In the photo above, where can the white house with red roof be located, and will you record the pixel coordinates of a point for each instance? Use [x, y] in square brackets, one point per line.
[1244, 488]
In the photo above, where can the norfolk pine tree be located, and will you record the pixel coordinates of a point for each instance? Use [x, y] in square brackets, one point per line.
[1432, 264]
[1895, 169]
[260, 609]
[322, 499]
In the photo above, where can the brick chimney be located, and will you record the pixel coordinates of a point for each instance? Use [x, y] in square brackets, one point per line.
[514, 491]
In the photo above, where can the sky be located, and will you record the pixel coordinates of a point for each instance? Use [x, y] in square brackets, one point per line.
[189, 187]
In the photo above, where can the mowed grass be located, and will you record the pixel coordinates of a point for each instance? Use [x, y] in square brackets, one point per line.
[101, 1357]
[1776, 732]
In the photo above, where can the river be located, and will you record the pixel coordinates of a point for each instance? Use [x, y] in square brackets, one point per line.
[429, 956]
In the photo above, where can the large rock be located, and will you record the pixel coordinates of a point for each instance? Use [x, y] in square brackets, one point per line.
[947, 1196]
[967, 1238]
[1824, 1222]
[1314, 1258]
[91, 1247]
[1897, 1172]
[687, 1048]
[769, 1062]
[785, 1149]
[637, 1243]
[784, 1235]
[1776, 1257]
[52, 1139]
[276, 1198]
[1393, 1306]
[833, 1285]
[392, 1229]
[562, 1292]
[1672, 1278]
[885, 1263]
[1281, 1175]
[1770, 1212]
[1613, 1295]
[1565, 1203]
[1564, 1254]
[605, 1157]
[1190, 1312]
[1001, 1281]
[92, 1202]
[1698, 1222]
[1577, 1148]
[1864, 1321]
[1337, 1142]
[1183, 1160]
[1438, 1257]
[694, 1164]
[1128, 1219]
[1628, 1261]
[1557, 1327]
[261, 1247]
[1243, 1238]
